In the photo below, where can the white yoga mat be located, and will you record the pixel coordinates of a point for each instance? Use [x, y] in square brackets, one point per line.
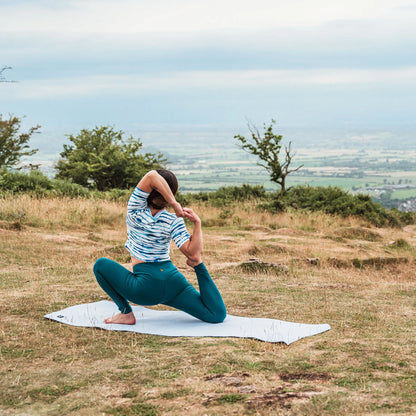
[178, 323]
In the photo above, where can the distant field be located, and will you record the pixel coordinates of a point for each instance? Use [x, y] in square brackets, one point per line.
[357, 161]
[221, 165]
[405, 194]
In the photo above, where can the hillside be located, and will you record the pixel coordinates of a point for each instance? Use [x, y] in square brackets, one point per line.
[342, 271]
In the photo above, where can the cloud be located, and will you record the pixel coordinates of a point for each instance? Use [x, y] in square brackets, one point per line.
[183, 16]
[104, 53]
[205, 81]
[350, 44]
[91, 37]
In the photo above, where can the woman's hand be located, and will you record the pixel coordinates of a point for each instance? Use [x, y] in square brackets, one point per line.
[191, 215]
[179, 211]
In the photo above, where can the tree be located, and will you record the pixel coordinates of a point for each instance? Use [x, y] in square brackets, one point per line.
[268, 148]
[101, 159]
[2, 77]
[13, 144]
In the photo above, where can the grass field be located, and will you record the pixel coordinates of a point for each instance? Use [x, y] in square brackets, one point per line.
[361, 281]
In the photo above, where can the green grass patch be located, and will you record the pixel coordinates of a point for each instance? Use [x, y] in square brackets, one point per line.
[173, 394]
[401, 244]
[226, 399]
[51, 393]
[218, 369]
[141, 409]
[11, 353]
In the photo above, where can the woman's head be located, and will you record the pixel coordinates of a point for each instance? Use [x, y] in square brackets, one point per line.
[155, 199]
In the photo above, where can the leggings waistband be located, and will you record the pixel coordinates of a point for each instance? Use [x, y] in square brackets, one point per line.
[150, 265]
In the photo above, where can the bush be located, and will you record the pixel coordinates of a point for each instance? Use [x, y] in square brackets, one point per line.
[334, 200]
[23, 182]
[227, 195]
[66, 188]
[37, 183]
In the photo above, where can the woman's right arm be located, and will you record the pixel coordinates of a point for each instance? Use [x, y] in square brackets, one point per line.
[192, 249]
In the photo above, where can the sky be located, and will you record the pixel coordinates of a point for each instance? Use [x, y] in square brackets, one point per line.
[193, 64]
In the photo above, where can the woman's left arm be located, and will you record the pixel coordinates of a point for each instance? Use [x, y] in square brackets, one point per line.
[152, 180]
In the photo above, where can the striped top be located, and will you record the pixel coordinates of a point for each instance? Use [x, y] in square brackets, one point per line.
[148, 237]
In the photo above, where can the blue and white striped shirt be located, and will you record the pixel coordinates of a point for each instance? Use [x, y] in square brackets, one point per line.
[148, 237]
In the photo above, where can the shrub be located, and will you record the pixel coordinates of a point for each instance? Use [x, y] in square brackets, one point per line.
[227, 195]
[334, 200]
[66, 188]
[37, 183]
[22, 182]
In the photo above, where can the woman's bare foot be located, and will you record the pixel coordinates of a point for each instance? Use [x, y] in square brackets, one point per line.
[122, 318]
[193, 263]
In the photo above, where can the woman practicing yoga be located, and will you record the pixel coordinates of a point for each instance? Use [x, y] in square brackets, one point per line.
[155, 280]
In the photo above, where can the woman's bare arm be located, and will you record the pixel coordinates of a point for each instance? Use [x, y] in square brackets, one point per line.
[192, 249]
[152, 180]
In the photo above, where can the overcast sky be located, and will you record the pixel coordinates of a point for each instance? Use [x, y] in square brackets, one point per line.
[139, 64]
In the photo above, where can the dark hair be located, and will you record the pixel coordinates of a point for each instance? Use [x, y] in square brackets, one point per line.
[155, 199]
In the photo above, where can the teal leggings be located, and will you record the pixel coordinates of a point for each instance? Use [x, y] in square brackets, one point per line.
[152, 283]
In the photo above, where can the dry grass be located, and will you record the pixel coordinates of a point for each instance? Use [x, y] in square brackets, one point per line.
[361, 281]
[60, 213]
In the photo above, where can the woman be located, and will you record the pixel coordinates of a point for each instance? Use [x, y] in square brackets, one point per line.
[155, 280]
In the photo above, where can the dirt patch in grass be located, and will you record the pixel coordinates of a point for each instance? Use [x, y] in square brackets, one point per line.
[228, 380]
[295, 377]
[11, 225]
[278, 398]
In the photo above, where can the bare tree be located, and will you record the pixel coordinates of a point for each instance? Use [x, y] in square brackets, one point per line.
[14, 143]
[2, 77]
[267, 148]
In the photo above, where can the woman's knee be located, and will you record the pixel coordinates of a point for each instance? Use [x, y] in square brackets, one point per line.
[218, 316]
[100, 264]
[221, 316]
